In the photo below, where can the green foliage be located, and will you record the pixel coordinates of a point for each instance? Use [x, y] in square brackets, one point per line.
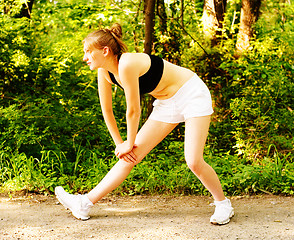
[262, 88]
[51, 97]
[163, 171]
[263, 176]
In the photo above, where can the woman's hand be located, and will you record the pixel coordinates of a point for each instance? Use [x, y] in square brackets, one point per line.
[124, 151]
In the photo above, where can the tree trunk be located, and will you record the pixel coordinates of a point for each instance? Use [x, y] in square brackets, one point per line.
[149, 25]
[146, 100]
[212, 18]
[182, 12]
[249, 15]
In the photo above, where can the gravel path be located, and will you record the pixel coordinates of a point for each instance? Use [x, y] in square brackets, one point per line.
[146, 217]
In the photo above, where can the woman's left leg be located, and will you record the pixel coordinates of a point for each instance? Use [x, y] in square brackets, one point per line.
[195, 138]
[196, 131]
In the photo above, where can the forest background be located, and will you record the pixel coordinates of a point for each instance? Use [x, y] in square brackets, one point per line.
[52, 128]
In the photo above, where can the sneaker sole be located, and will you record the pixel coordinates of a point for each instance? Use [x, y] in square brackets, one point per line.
[75, 214]
[224, 222]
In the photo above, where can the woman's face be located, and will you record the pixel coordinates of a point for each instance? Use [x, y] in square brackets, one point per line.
[94, 57]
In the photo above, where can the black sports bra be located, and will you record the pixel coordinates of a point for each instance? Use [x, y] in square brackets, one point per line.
[149, 81]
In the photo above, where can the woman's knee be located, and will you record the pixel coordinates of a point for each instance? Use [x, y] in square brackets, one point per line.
[125, 165]
[140, 153]
[196, 165]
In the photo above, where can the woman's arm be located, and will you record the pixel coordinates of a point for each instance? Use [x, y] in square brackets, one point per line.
[129, 76]
[105, 96]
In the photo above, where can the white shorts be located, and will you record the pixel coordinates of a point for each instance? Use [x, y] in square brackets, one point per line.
[193, 99]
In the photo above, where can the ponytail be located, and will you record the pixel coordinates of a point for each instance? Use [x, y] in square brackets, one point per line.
[111, 38]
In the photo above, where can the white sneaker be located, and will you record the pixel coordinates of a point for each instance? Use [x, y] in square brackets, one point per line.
[79, 205]
[223, 212]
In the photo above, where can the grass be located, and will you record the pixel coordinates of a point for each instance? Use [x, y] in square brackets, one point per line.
[161, 172]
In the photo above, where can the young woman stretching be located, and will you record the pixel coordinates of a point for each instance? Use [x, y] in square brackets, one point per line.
[181, 96]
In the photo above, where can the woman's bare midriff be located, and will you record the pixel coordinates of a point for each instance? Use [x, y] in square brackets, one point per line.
[173, 78]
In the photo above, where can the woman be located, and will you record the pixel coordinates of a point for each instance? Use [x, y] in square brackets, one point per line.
[181, 96]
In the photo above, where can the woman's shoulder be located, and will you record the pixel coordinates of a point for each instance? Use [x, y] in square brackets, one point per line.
[133, 57]
[134, 61]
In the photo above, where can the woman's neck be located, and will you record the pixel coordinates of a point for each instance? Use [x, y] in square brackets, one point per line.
[111, 64]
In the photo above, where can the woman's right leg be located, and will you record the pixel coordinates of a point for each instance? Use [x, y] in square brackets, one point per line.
[151, 133]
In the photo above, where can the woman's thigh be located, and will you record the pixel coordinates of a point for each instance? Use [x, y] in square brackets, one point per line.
[151, 133]
[196, 131]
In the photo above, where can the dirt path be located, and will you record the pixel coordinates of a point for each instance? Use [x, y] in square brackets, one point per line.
[147, 217]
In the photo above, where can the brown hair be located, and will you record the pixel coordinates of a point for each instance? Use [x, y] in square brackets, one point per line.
[107, 37]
